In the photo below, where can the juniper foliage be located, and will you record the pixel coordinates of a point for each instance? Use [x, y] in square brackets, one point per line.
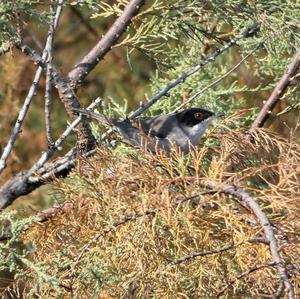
[124, 229]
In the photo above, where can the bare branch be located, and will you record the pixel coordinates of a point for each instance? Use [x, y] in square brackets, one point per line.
[277, 92]
[87, 64]
[248, 32]
[47, 155]
[22, 185]
[17, 128]
[198, 93]
[249, 271]
[48, 102]
[67, 96]
[200, 253]
[48, 98]
[265, 223]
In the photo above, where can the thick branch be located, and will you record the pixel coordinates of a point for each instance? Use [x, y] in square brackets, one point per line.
[22, 185]
[68, 98]
[277, 92]
[87, 64]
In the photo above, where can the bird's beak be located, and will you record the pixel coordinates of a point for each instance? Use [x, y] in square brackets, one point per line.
[220, 114]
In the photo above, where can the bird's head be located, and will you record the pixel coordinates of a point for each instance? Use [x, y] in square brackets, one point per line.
[194, 122]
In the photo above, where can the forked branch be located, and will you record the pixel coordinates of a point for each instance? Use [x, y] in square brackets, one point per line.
[21, 183]
[62, 166]
[23, 112]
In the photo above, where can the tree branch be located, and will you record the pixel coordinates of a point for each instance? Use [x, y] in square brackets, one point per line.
[200, 253]
[248, 32]
[265, 223]
[48, 98]
[17, 128]
[87, 64]
[277, 93]
[18, 185]
[67, 96]
[198, 93]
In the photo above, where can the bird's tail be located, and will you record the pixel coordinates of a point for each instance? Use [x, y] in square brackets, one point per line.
[99, 117]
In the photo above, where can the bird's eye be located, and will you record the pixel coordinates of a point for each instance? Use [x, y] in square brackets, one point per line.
[198, 115]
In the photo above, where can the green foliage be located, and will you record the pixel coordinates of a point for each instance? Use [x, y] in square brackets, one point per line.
[11, 251]
[133, 254]
[174, 33]
[13, 14]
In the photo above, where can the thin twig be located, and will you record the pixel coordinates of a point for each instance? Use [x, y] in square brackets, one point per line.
[165, 92]
[265, 223]
[46, 155]
[194, 198]
[48, 97]
[249, 271]
[278, 91]
[22, 183]
[17, 128]
[200, 253]
[198, 93]
[213, 251]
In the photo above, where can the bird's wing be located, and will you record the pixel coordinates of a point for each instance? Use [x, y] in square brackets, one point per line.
[157, 126]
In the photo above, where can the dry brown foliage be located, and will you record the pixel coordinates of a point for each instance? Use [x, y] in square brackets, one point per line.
[139, 229]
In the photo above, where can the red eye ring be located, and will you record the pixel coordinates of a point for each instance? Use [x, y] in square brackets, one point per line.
[198, 115]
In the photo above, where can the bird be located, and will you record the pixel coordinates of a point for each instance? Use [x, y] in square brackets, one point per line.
[181, 130]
